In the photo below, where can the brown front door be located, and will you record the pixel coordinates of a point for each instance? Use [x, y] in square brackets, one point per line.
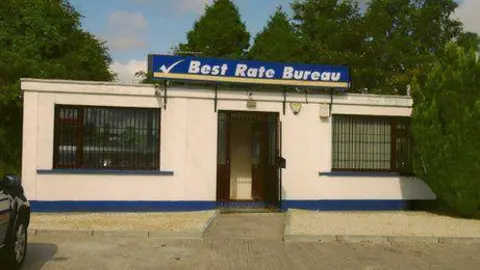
[259, 159]
[265, 149]
[272, 195]
[223, 158]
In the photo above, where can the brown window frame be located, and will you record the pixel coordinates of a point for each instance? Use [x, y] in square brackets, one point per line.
[401, 144]
[136, 154]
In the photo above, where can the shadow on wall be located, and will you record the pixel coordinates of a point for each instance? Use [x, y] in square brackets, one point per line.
[417, 195]
[38, 254]
[431, 204]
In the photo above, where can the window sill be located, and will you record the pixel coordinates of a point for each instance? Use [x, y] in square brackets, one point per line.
[364, 174]
[105, 172]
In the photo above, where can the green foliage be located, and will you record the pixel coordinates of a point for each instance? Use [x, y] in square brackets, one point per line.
[401, 36]
[220, 32]
[469, 41]
[386, 46]
[40, 39]
[329, 30]
[277, 41]
[446, 130]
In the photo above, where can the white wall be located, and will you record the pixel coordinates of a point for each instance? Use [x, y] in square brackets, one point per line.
[189, 145]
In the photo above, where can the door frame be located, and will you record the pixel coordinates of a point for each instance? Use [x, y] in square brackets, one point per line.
[223, 170]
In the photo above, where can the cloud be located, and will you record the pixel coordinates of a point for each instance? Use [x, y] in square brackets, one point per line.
[126, 72]
[197, 6]
[126, 42]
[126, 30]
[467, 13]
[179, 6]
[132, 20]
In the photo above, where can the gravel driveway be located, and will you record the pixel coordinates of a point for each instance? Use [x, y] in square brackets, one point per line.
[173, 222]
[419, 224]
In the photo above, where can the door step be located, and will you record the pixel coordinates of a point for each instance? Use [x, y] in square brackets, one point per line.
[230, 210]
[247, 207]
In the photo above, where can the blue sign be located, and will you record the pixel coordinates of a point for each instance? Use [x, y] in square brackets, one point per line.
[173, 67]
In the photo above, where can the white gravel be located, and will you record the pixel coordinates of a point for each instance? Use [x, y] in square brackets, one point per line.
[173, 222]
[420, 224]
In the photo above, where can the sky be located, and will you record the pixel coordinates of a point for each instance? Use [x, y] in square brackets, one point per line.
[135, 28]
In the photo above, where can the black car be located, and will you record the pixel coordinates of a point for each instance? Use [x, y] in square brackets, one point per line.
[14, 221]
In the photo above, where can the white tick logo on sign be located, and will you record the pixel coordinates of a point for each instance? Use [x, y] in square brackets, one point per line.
[167, 70]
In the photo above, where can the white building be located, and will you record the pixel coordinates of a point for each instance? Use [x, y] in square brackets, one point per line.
[94, 146]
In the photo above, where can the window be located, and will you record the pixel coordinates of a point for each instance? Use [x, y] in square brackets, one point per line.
[106, 138]
[371, 144]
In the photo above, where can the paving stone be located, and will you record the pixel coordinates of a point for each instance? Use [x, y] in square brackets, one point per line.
[53, 252]
[176, 235]
[459, 240]
[361, 238]
[413, 239]
[248, 226]
[64, 232]
[310, 238]
[120, 233]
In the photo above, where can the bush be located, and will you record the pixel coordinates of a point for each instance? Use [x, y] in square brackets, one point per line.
[446, 130]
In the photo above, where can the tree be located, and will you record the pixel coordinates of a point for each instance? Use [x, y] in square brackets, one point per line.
[469, 41]
[277, 41]
[401, 37]
[330, 32]
[41, 39]
[219, 32]
[446, 113]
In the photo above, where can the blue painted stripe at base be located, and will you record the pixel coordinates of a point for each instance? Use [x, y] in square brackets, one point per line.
[175, 206]
[360, 174]
[120, 206]
[346, 205]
